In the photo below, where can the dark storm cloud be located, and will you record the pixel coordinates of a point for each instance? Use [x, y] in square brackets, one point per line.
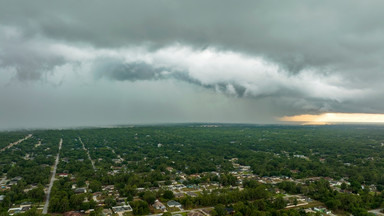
[117, 69]
[30, 59]
[295, 57]
[347, 35]
[134, 71]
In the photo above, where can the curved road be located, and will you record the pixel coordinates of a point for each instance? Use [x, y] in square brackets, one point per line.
[45, 209]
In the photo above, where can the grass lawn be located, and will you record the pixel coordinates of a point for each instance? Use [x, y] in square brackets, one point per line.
[173, 209]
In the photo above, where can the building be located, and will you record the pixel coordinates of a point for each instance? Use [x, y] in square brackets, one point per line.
[174, 204]
[107, 212]
[80, 190]
[159, 205]
[63, 175]
[120, 210]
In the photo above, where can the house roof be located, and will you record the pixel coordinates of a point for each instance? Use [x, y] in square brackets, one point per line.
[173, 202]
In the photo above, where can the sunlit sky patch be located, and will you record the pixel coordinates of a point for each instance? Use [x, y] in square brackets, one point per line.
[330, 118]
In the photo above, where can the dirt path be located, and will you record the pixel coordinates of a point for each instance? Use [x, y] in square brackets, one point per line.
[89, 156]
[15, 143]
[45, 208]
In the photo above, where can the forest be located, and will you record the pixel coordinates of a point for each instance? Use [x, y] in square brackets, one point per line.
[141, 163]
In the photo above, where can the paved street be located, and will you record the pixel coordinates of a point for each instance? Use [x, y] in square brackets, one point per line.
[45, 209]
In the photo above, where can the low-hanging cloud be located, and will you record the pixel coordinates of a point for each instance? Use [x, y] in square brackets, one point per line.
[140, 71]
[134, 71]
[29, 57]
[226, 72]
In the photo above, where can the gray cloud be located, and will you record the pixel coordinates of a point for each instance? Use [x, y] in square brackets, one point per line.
[29, 58]
[134, 71]
[116, 69]
[315, 56]
[299, 34]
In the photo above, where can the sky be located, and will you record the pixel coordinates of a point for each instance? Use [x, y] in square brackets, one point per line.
[82, 63]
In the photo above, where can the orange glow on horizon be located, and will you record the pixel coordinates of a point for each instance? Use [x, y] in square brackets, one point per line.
[329, 118]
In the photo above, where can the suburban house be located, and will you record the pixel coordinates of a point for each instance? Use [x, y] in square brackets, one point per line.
[120, 210]
[107, 212]
[159, 205]
[80, 190]
[173, 203]
[63, 175]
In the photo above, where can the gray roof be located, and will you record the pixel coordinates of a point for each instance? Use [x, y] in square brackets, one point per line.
[173, 202]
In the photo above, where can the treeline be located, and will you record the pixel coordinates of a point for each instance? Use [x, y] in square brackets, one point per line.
[63, 198]
[255, 199]
[355, 203]
[17, 195]
[334, 151]
[32, 158]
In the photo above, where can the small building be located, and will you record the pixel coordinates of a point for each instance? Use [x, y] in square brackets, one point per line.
[63, 175]
[12, 182]
[2, 197]
[120, 210]
[159, 205]
[107, 212]
[173, 203]
[108, 188]
[80, 190]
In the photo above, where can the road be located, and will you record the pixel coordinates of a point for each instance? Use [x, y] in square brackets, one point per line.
[45, 208]
[89, 156]
[296, 206]
[15, 143]
[118, 156]
[376, 211]
[178, 212]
